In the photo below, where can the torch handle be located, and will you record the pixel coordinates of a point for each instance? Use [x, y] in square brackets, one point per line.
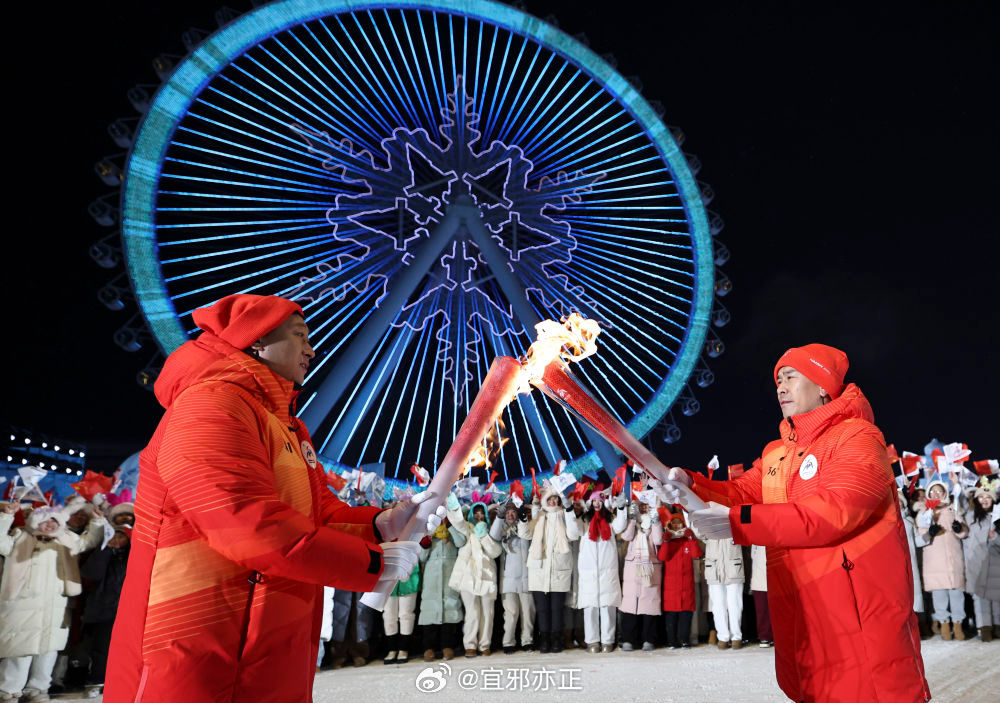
[498, 389]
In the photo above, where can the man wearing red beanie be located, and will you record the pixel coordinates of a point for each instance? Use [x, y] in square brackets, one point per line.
[236, 533]
[822, 499]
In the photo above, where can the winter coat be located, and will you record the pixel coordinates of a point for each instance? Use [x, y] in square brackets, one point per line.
[977, 556]
[106, 572]
[822, 499]
[38, 576]
[597, 566]
[758, 568]
[439, 602]
[992, 571]
[914, 540]
[410, 585]
[514, 541]
[236, 534]
[723, 562]
[550, 558]
[944, 563]
[475, 569]
[326, 625]
[678, 555]
[642, 578]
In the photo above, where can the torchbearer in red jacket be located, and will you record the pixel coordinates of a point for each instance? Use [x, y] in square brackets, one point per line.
[236, 532]
[822, 500]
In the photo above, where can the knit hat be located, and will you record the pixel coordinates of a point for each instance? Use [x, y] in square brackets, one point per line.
[825, 366]
[986, 487]
[243, 318]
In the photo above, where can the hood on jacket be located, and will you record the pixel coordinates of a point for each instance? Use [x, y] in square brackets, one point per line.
[546, 493]
[209, 358]
[808, 426]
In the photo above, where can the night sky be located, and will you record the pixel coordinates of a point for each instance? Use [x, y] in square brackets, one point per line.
[853, 153]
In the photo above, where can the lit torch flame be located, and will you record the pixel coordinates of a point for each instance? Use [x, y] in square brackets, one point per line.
[488, 448]
[571, 339]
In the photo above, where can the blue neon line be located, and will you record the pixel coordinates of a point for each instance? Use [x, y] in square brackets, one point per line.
[425, 108]
[421, 83]
[217, 167]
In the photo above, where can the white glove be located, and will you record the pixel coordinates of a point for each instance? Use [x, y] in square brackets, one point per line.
[621, 500]
[398, 559]
[390, 523]
[712, 522]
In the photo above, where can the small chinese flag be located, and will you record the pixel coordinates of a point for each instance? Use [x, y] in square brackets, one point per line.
[893, 456]
[911, 464]
[735, 471]
[517, 489]
[493, 477]
[618, 483]
[534, 484]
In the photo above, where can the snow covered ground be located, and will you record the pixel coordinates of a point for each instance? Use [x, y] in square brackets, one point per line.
[958, 672]
[968, 672]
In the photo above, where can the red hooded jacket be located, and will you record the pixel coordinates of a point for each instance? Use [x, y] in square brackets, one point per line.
[822, 499]
[678, 555]
[236, 534]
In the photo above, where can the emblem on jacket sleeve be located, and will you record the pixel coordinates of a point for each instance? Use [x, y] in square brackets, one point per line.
[309, 454]
[808, 468]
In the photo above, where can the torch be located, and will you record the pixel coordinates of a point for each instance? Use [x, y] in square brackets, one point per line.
[557, 383]
[499, 388]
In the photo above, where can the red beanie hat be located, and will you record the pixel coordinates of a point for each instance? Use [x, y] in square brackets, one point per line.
[825, 366]
[243, 318]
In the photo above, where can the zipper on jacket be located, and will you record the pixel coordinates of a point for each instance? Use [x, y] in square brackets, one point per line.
[255, 578]
[792, 434]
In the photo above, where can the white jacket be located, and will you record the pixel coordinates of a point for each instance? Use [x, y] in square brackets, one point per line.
[38, 576]
[550, 557]
[475, 569]
[598, 568]
[723, 562]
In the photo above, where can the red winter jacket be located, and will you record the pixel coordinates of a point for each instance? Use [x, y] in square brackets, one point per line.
[236, 534]
[678, 555]
[822, 499]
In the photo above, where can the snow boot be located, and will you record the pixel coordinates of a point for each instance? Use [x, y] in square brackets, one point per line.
[567, 639]
[958, 630]
[607, 648]
[543, 643]
[945, 627]
[737, 644]
[594, 648]
[581, 639]
[713, 638]
[428, 655]
[448, 653]
[986, 634]
[557, 643]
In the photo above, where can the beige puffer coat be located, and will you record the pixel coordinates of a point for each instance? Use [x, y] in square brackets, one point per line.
[724, 562]
[38, 576]
[475, 569]
[550, 557]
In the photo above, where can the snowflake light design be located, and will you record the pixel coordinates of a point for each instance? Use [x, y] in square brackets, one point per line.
[393, 200]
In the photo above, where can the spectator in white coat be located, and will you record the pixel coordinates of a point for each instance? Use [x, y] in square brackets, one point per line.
[550, 564]
[600, 591]
[475, 576]
[40, 573]
[510, 531]
[725, 575]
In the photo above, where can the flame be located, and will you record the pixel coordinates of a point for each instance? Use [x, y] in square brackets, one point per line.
[571, 339]
[488, 448]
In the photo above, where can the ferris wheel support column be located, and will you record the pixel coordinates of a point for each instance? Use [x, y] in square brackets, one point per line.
[399, 289]
[529, 317]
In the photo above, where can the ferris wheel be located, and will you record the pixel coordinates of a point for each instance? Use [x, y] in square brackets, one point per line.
[428, 180]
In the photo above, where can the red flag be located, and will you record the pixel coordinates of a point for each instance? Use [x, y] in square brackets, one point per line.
[618, 484]
[517, 489]
[582, 490]
[493, 477]
[986, 466]
[423, 478]
[91, 484]
[559, 467]
[335, 481]
[534, 484]
[893, 456]
[664, 513]
[360, 474]
[636, 487]
[911, 464]
[735, 471]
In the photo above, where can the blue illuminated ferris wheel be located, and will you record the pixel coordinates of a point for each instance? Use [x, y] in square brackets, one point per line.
[428, 179]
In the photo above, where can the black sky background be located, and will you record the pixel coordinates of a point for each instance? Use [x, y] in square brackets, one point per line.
[853, 151]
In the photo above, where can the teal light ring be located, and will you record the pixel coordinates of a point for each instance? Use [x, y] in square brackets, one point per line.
[174, 98]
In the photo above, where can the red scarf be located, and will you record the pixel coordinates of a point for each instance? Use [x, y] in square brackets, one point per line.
[599, 527]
